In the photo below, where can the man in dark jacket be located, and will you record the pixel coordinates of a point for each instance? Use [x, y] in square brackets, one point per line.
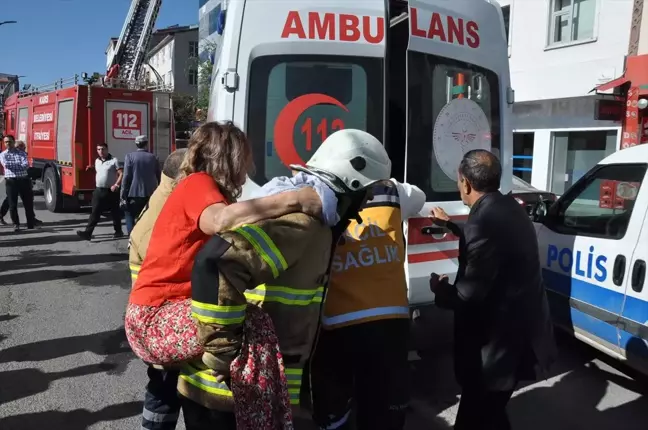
[141, 178]
[503, 330]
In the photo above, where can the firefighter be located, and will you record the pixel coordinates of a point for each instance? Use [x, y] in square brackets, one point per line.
[366, 315]
[280, 266]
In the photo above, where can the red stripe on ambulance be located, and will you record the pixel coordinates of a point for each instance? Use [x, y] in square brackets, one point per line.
[426, 257]
[334, 26]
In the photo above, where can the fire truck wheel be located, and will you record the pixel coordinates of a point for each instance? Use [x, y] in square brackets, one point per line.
[52, 191]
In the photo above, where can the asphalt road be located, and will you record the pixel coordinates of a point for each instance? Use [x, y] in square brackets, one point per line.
[65, 362]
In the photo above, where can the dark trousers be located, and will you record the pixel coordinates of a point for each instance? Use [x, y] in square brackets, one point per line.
[104, 199]
[134, 207]
[161, 401]
[20, 187]
[198, 417]
[481, 409]
[5, 207]
[365, 364]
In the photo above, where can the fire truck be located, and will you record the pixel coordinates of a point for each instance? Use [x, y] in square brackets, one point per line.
[63, 123]
[429, 78]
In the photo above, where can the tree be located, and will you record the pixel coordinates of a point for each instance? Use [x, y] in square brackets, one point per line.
[184, 111]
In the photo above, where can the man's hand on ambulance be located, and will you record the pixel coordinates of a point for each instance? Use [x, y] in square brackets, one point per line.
[439, 216]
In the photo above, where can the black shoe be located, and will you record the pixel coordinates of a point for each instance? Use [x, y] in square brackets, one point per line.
[2, 221]
[118, 235]
[16, 228]
[84, 235]
[38, 222]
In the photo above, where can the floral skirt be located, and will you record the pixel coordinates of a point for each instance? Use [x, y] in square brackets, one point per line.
[164, 334]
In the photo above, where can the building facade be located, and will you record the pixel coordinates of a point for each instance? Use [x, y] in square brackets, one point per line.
[172, 58]
[560, 51]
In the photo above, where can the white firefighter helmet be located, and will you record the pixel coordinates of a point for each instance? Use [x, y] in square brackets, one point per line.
[353, 157]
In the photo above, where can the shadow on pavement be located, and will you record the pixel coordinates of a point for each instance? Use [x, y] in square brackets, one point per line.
[41, 276]
[105, 343]
[33, 260]
[78, 419]
[7, 317]
[573, 403]
[35, 241]
[18, 384]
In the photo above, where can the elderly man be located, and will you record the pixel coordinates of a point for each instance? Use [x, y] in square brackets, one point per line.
[17, 182]
[503, 330]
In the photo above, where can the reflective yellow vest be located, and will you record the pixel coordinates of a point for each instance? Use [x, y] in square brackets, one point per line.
[367, 280]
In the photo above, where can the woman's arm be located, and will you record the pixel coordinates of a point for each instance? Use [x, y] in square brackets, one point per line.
[220, 217]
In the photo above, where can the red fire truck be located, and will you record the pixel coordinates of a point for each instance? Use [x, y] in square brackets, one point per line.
[63, 123]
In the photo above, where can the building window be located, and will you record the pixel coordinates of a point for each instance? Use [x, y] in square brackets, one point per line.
[523, 155]
[193, 49]
[193, 77]
[571, 21]
[506, 12]
[575, 153]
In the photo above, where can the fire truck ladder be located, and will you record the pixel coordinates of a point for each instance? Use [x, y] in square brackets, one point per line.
[135, 36]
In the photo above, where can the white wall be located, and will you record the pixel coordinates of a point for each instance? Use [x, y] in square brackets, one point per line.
[162, 61]
[539, 72]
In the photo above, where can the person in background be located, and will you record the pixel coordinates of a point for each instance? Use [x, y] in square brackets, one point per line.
[141, 178]
[17, 182]
[108, 176]
[503, 329]
[203, 203]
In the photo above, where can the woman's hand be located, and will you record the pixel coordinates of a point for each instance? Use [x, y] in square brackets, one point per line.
[309, 202]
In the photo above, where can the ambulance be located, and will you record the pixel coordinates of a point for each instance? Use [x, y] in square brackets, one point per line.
[593, 250]
[429, 78]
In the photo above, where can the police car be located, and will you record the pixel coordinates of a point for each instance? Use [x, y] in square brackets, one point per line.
[593, 250]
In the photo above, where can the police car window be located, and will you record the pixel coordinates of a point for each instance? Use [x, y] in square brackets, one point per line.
[453, 107]
[296, 101]
[601, 204]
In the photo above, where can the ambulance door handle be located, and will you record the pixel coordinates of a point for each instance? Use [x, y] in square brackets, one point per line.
[618, 272]
[638, 276]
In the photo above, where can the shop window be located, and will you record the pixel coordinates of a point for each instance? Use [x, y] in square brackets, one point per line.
[575, 153]
[571, 21]
[601, 204]
[523, 155]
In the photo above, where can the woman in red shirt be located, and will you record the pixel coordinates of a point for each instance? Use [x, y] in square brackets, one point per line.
[158, 322]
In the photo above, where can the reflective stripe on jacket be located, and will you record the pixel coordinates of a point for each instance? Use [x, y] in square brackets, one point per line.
[279, 265]
[367, 274]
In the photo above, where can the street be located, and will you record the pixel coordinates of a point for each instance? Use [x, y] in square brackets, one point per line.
[65, 362]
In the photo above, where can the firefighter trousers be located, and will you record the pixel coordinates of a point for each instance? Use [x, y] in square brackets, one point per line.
[365, 367]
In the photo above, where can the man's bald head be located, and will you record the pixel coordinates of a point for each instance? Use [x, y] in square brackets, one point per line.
[172, 163]
[482, 169]
[480, 172]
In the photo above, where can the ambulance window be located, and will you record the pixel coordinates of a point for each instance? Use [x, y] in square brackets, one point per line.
[453, 107]
[600, 204]
[291, 106]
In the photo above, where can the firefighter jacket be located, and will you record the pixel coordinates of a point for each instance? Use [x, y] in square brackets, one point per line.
[141, 234]
[279, 265]
[367, 273]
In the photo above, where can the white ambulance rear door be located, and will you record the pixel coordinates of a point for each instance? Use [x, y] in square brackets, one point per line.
[307, 69]
[457, 81]
[225, 83]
